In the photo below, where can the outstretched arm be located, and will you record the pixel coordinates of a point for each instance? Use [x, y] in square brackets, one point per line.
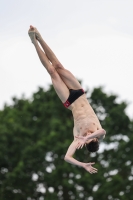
[69, 158]
[69, 155]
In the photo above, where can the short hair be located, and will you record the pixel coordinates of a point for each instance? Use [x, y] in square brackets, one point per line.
[93, 146]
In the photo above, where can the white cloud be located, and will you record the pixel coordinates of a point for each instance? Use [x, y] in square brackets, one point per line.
[113, 20]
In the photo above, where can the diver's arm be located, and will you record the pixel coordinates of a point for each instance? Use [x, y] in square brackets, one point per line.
[69, 158]
[100, 134]
[69, 155]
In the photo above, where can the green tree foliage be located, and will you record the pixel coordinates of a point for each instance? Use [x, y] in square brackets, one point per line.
[34, 137]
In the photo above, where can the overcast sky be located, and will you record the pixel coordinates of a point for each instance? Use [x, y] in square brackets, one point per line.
[92, 38]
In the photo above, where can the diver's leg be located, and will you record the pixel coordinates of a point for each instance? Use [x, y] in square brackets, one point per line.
[68, 78]
[65, 74]
[58, 84]
[50, 54]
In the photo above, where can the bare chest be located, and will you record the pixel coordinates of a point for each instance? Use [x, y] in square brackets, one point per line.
[85, 119]
[88, 125]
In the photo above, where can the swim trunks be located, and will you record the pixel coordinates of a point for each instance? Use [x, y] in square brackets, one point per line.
[74, 94]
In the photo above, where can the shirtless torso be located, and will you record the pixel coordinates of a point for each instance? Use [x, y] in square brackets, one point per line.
[85, 119]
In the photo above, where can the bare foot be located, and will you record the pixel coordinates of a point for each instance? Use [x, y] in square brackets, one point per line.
[37, 34]
[32, 35]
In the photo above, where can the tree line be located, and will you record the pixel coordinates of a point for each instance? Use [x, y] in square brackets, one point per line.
[34, 136]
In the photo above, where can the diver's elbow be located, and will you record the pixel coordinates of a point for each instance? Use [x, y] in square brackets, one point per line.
[103, 132]
[66, 158]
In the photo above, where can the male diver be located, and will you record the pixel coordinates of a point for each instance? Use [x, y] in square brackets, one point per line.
[87, 128]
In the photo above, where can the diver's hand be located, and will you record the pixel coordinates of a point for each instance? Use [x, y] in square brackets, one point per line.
[88, 167]
[81, 142]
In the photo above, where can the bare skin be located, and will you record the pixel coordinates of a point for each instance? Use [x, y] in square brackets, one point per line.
[86, 124]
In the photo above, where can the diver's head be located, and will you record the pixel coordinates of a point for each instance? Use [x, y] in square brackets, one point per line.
[92, 145]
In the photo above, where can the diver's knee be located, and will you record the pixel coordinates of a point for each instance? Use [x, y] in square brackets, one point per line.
[58, 66]
[52, 71]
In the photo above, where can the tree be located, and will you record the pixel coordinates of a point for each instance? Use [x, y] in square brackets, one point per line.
[35, 135]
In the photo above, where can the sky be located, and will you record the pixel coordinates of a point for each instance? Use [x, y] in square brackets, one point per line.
[91, 38]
